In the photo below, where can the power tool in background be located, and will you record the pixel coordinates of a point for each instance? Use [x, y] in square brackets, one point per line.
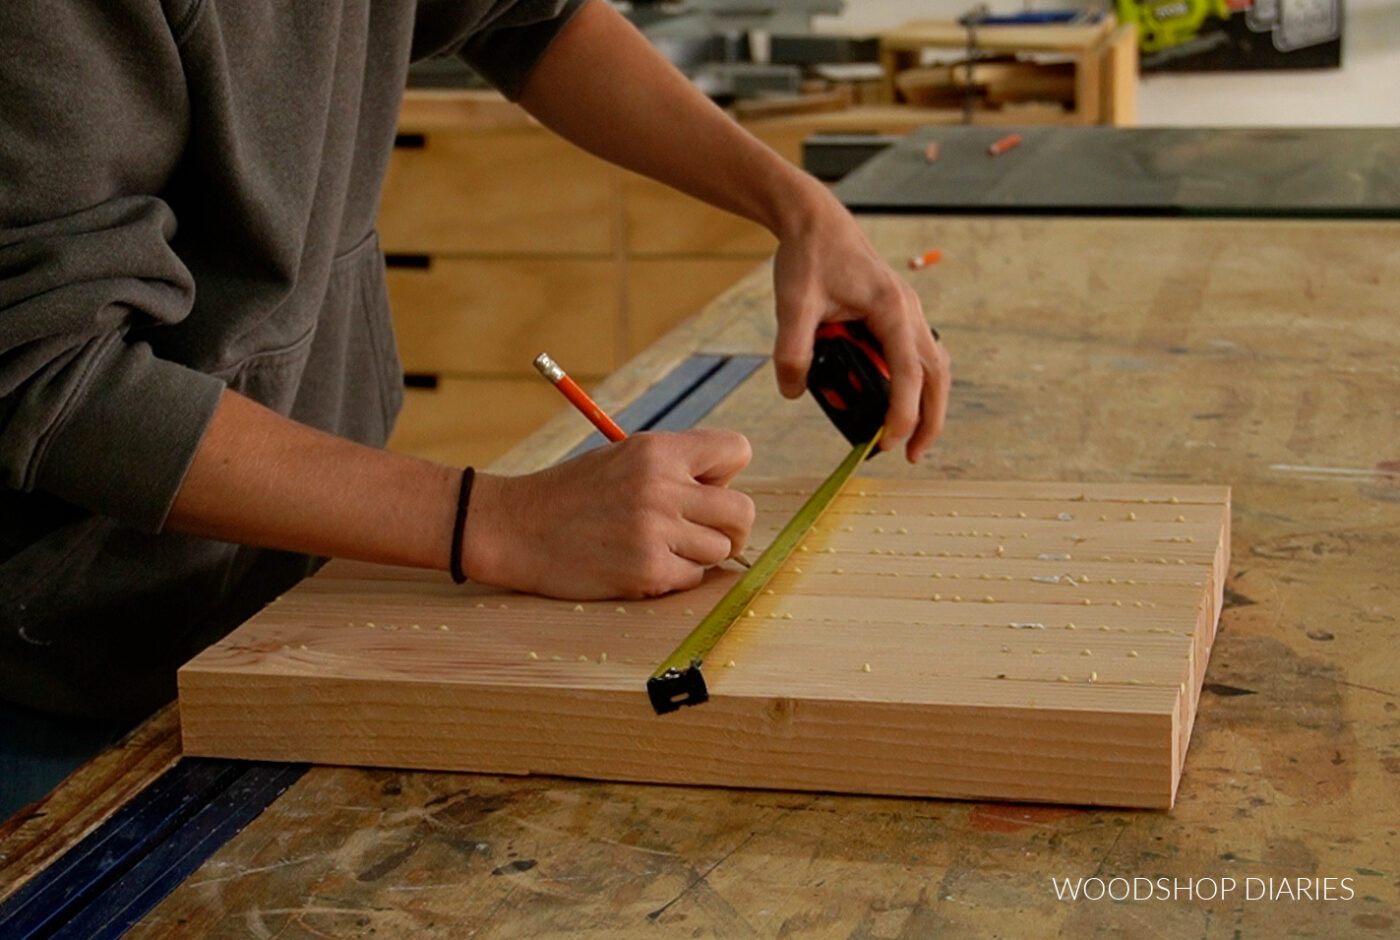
[1167, 24]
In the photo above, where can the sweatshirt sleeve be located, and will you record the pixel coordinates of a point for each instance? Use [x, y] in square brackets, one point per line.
[504, 43]
[93, 119]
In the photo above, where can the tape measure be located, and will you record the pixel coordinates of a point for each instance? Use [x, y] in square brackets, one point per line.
[678, 680]
[851, 381]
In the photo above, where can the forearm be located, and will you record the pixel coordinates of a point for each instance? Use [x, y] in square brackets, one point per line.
[604, 87]
[261, 479]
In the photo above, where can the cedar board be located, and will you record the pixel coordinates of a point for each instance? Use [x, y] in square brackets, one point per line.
[882, 658]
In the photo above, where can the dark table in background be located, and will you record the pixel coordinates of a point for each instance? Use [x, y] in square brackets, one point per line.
[1253, 172]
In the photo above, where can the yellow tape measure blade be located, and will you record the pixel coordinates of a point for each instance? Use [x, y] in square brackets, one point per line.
[678, 680]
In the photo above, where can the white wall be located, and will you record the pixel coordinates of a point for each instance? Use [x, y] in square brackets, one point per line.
[1364, 91]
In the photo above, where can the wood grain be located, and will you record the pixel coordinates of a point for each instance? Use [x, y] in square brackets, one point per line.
[1037, 642]
[474, 420]
[1119, 68]
[474, 315]
[499, 190]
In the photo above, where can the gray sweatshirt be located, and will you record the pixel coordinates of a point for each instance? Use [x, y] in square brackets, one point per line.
[188, 191]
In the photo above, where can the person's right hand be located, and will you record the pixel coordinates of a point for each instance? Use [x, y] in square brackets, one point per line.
[638, 518]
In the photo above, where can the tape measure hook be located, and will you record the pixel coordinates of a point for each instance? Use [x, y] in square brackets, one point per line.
[677, 687]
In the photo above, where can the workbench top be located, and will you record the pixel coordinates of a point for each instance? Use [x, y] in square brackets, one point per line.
[1263, 355]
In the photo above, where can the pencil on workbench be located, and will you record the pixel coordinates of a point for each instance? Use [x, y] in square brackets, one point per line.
[579, 399]
[1009, 142]
[924, 260]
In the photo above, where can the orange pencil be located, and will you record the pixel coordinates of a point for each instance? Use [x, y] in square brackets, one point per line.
[1008, 142]
[925, 259]
[579, 399]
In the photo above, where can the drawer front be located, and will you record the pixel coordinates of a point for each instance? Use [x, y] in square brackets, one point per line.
[473, 421]
[466, 315]
[521, 191]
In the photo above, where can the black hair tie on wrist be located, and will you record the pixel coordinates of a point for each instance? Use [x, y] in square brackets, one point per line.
[459, 527]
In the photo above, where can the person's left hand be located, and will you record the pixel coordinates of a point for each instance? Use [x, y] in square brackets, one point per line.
[827, 270]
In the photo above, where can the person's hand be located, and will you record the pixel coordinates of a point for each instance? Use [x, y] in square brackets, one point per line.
[638, 518]
[826, 270]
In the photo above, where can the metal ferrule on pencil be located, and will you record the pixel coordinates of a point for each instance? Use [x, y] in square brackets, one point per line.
[548, 367]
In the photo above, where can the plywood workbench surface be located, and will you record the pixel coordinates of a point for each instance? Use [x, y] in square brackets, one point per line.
[1038, 641]
[1168, 352]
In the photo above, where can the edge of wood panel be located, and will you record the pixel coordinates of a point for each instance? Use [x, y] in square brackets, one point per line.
[887, 749]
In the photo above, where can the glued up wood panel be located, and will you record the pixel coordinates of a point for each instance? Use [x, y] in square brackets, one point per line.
[1022, 641]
